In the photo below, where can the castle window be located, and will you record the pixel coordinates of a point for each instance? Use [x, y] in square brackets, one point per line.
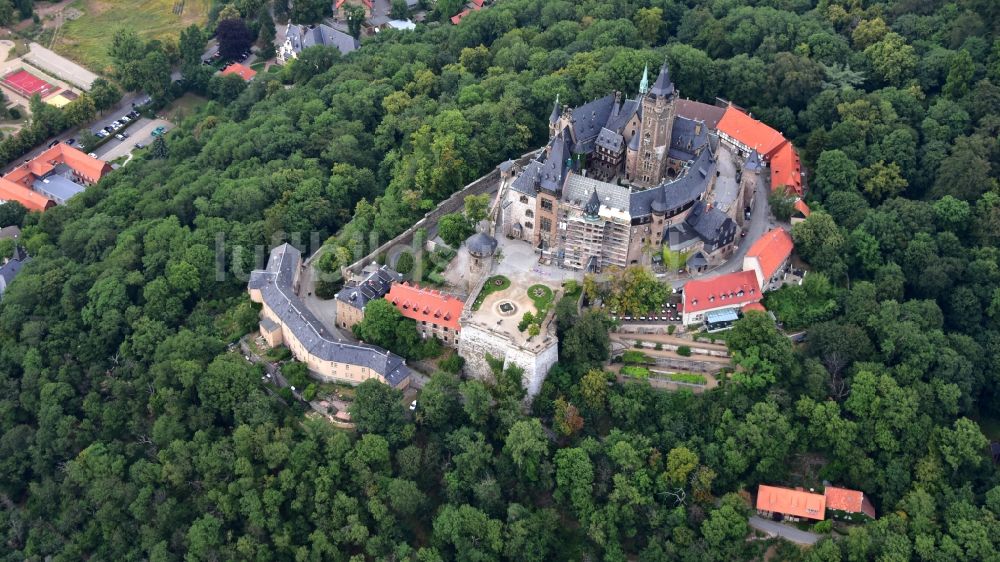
[529, 213]
[545, 225]
[524, 199]
[547, 204]
[528, 225]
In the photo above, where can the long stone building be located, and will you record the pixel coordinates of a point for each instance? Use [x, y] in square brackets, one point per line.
[285, 320]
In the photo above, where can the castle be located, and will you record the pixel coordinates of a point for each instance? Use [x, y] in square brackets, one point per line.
[619, 179]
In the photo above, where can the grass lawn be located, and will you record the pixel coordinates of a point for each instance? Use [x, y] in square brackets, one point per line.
[182, 107]
[258, 66]
[494, 284]
[542, 297]
[87, 38]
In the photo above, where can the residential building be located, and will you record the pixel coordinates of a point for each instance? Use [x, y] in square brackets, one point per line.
[285, 320]
[850, 502]
[719, 299]
[792, 505]
[11, 267]
[437, 314]
[354, 297]
[745, 134]
[299, 37]
[53, 177]
[243, 71]
[768, 256]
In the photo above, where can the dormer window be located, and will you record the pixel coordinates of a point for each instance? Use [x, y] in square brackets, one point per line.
[711, 299]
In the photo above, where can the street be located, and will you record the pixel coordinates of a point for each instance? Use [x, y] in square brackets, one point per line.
[786, 532]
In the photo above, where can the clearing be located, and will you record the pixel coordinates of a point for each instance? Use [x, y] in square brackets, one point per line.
[86, 38]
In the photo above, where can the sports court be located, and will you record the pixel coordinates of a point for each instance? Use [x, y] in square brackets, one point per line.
[27, 84]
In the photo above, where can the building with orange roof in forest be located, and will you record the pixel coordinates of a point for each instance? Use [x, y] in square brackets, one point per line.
[436, 313]
[851, 502]
[786, 169]
[801, 212]
[792, 504]
[243, 71]
[769, 255]
[53, 177]
[725, 294]
[748, 134]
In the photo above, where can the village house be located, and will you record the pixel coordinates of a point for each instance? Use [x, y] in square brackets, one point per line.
[354, 297]
[769, 256]
[717, 301]
[847, 504]
[52, 178]
[437, 314]
[299, 37]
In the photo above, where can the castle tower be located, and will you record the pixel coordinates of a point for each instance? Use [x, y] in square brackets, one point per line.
[554, 119]
[647, 166]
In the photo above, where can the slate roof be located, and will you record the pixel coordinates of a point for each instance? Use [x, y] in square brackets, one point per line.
[481, 244]
[753, 163]
[506, 165]
[553, 170]
[610, 140]
[698, 111]
[678, 193]
[301, 37]
[555, 111]
[711, 224]
[528, 180]
[276, 286]
[375, 286]
[663, 87]
[617, 121]
[579, 190]
[10, 232]
[9, 270]
[587, 121]
[687, 137]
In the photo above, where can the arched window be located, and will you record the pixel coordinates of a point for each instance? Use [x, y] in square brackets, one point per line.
[524, 199]
[529, 213]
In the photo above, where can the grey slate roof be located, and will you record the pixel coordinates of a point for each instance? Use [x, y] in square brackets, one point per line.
[276, 287]
[588, 119]
[680, 192]
[553, 170]
[618, 120]
[9, 270]
[10, 232]
[506, 166]
[610, 140]
[57, 187]
[555, 111]
[663, 87]
[712, 225]
[301, 37]
[481, 244]
[753, 163]
[634, 143]
[375, 286]
[528, 180]
[579, 190]
[696, 260]
[687, 137]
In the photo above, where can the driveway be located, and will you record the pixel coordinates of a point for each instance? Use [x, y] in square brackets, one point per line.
[140, 132]
[786, 532]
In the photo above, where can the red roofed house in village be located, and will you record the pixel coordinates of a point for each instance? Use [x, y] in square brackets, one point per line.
[436, 313]
[849, 501]
[717, 300]
[792, 504]
[52, 177]
[244, 72]
[769, 255]
[801, 213]
[747, 134]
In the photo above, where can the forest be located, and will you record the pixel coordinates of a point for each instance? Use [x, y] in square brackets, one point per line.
[129, 432]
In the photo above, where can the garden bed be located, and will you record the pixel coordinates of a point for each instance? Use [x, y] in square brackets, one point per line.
[542, 297]
[494, 284]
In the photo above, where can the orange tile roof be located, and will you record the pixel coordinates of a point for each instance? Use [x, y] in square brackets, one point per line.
[243, 71]
[33, 201]
[797, 503]
[786, 169]
[733, 289]
[851, 501]
[426, 305]
[750, 132]
[771, 250]
[802, 208]
[754, 306]
[457, 18]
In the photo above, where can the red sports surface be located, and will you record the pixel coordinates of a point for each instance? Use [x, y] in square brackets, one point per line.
[27, 84]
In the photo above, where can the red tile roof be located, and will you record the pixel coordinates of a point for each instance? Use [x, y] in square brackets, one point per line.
[732, 289]
[33, 201]
[802, 208]
[457, 18]
[477, 3]
[243, 71]
[771, 250]
[851, 501]
[786, 169]
[426, 304]
[797, 503]
[750, 132]
[754, 306]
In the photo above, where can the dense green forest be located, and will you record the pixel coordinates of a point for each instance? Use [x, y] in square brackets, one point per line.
[129, 433]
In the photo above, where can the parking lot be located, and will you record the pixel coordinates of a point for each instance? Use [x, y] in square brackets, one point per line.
[140, 132]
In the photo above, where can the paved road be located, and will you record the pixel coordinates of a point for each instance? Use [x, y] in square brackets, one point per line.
[140, 132]
[786, 532]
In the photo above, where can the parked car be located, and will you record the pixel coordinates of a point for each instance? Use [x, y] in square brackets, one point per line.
[125, 119]
[159, 131]
[71, 142]
[53, 143]
[120, 137]
[140, 145]
[101, 134]
[92, 155]
[108, 128]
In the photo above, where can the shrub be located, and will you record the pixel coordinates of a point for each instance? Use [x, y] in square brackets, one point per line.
[658, 346]
[452, 364]
[526, 321]
[633, 357]
[404, 263]
[823, 527]
[310, 392]
[638, 344]
[684, 351]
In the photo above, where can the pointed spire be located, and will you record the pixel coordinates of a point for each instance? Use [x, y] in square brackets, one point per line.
[644, 83]
[555, 111]
[593, 208]
[663, 87]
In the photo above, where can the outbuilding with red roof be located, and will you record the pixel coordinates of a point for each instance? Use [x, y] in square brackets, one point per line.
[723, 293]
[243, 71]
[769, 255]
[436, 313]
[748, 134]
[851, 502]
[792, 504]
